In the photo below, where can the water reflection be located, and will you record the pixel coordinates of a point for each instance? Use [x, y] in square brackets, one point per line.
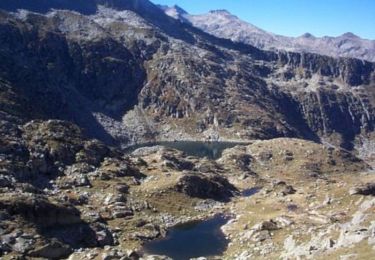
[203, 238]
[211, 150]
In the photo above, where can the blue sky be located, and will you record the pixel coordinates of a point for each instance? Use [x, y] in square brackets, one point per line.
[295, 17]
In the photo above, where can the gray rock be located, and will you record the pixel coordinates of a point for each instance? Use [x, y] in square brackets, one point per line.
[122, 188]
[104, 237]
[22, 245]
[266, 225]
[52, 250]
[132, 254]
[10, 239]
[122, 212]
[212, 186]
[365, 189]
[4, 215]
[149, 232]
[6, 181]
[146, 151]
[283, 221]
[261, 236]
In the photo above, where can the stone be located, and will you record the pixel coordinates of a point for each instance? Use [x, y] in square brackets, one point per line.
[327, 200]
[132, 254]
[41, 211]
[149, 232]
[22, 245]
[122, 213]
[4, 215]
[213, 187]
[365, 189]
[266, 225]
[288, 190]
[173, 161]
[104, 237]
[283, 221]
[5, 181]
[10, 239]
[351, 237]
[91, 216]
[261, 236]
[52, 250]
[122, 188]
[283, 188]
[348, 257]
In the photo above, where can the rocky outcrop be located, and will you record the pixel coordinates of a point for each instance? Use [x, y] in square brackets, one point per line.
[53, 250]
[213, 187]
[365, 189]
[39, 211]
[351, 71]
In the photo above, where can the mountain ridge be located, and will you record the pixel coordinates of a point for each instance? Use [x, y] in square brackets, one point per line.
[226, 25]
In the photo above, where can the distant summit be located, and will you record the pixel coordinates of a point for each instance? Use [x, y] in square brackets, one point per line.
[307, 35]
[176, 12]
[349, 35]
[220, 11]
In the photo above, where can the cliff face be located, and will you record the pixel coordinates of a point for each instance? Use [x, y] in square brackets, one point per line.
[125, 72]
[68, 78]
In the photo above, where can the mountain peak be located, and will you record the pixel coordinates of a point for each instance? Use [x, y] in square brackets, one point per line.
[307, 35]
[174, 11]
[220, 11]
[82, 6]
[349, 35]
[179, 9]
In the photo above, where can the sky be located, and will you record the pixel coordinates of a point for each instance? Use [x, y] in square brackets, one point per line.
[294, 17]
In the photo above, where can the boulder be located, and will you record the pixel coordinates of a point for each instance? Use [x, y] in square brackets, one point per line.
[282, 188]
[122, 188]
[39, 210]
[117, 167]
[103, 235]
[93, 152]
[206, 187]
[148, 232]
[266, 225]
[177, 163]
[365, 189]
[52, 250]
[23, 244]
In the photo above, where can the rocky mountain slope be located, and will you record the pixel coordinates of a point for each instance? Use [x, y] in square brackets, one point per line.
[223, 24]
[66, 196]
[80, 79]
[126, 73]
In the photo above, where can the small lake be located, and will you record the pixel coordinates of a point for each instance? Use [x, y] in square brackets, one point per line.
[201, 238]
[211, 150]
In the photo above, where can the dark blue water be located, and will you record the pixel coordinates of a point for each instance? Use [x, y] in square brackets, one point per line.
[203, 238]
[211, 150]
